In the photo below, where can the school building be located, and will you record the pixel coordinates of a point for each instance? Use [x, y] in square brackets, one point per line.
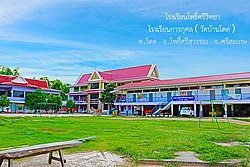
[16, 88]
[88, 88]
[230, 94]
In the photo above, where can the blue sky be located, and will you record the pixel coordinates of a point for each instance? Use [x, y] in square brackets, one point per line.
[62, 39]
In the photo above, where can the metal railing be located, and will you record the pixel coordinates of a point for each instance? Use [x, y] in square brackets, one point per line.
[245, 96]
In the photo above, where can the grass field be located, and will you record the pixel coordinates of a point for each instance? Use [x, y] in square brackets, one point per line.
[157, 139]
[243, 119]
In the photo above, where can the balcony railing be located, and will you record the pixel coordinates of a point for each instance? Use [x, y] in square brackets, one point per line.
[197, 97]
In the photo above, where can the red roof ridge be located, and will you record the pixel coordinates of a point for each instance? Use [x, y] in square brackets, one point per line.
[211, 78]
[215, 75]
[128, 68]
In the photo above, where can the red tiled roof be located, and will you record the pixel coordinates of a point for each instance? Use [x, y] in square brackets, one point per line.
[223, 77]
[106, 76]
[131, 73]
[84, 78]
[38, 83]
[32, 83]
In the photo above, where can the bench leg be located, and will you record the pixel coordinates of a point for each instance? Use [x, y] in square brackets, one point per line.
[10, 162]
[50, 157]
[61, 157]
[1, 162]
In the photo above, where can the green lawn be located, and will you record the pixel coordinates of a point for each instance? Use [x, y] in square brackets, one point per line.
[243, 119]
[158, 139]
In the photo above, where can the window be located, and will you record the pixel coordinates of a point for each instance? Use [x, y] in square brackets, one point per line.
[18, 94]
[224, 92]
[83, 88]
[135, 91]
[94, 86]
[237, 91]
[164, 89]
[217, 86]
[189, 93]
[76, 89]
[183, 93]
[9, 93]
[94, 96]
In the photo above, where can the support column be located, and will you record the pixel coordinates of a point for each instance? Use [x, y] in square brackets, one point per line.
[119, 108]
[225, 108]
[232, 110]
[172, 109]
[195, 109]
[179, 110]
[201, 111]
[142, 110]
[88, 106]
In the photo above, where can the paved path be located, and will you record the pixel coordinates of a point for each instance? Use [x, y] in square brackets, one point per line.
[125, 118]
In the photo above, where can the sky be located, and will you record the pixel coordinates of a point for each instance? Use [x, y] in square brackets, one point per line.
[62, 39]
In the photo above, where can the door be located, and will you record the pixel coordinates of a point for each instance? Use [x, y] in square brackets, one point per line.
[212, 94]
[134, 97]
[150, 97]
[169, 96]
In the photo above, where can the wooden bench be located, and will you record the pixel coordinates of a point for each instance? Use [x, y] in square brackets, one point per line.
[17, 153]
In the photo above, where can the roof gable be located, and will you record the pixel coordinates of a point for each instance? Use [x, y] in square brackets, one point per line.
[153, 72]
[95, 76]
[19, 80]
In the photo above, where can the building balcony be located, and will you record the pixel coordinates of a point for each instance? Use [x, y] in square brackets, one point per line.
[228, 97]
[81, 102]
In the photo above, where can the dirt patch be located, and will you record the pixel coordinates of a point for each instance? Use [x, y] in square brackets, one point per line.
[185, 119]
[235, 143]
[88, 159]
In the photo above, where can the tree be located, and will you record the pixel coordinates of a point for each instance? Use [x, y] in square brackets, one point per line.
[107, 97]
[55, 99]
[8, 71]
[16, 71]
[70, 104]
[32, 100]
[65, 90]
[4, 101]
[58, 85]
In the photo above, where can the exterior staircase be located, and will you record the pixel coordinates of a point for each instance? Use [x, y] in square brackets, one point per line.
[160, 107]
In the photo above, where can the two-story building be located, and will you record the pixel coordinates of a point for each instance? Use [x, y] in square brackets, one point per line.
[230, 94]
[16, 88]
[88, 88]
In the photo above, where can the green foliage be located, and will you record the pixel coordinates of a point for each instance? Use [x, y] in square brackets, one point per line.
[55, 99]
[107, 97]
[39, 99]
[32, 100]
[70, 104]
[151, 139]
[4, 101]
[58, 85]
[8, 71]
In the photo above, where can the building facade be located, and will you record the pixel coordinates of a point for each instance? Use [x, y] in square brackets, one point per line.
[87, 90]
[16, 88]
[229, 94]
